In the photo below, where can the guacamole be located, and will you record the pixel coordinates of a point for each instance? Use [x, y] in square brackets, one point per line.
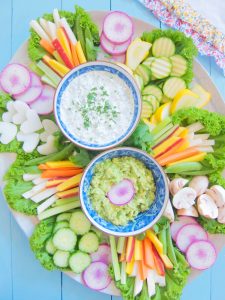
[113, 171]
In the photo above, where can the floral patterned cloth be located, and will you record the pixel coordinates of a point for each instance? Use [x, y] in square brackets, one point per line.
[181, 16]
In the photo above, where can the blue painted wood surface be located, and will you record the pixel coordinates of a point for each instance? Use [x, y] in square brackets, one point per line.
[21, 276]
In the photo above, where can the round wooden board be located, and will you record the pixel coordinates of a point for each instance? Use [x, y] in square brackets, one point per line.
[217, 104]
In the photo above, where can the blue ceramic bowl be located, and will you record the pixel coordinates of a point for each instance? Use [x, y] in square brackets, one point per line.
[90, 67]
[144, 220]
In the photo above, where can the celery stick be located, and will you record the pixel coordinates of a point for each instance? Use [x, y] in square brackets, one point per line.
[35, 69]
[165, 135]
[123, 273]
[184, 167]
[49, 72]
[48, 81]
[58, 210]
[162, 238]
[158, 128]
[115, 261]
[64, 201]
[162, 131]
[120, 244]
[170, 249]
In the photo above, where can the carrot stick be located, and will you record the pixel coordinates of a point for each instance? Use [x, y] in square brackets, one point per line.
[182, 145]
[148, 254]
[42, 167]
[123, 254]
[142, 270]
[130, 248]
[159, 266]
[74, 55]
[60, 173]
[69, 193]
[47, 46]
[178, 156]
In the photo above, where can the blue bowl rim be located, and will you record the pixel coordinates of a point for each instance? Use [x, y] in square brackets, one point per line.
[133, 233]
[132, 80]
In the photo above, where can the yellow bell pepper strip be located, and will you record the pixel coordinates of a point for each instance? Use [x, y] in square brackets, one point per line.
[130, 266]
[130, 248]
[138, 250]
[69, 193]
[54, 182]
[80, 53]
[155, 241]
[56, 66]
[70, 183]
[167, 263]
[60, 164]
[57, 57]
[194, 158]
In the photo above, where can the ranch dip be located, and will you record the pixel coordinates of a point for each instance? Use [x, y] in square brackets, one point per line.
[97, 107]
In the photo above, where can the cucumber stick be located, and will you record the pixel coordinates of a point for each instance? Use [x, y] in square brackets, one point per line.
[163, 46]
[170, 248]
[161, 67]
[121, 244]
[115, 261]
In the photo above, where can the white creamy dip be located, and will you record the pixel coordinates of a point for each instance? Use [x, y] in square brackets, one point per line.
[97, 107]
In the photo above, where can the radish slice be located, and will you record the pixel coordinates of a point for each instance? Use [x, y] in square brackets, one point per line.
[118, 27]
[96, 276]
[189, 234]
[15, 79]
[121, 193]
[201, 255]
[33, 92]
[176, 226]
[44, 104]
[119, 58]
[103, 254]
[113, 49]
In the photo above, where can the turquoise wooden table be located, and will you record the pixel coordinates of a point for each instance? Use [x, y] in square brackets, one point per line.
[21, 276]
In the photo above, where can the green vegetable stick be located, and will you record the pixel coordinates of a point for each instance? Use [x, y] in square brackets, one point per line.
[115, 261]
[162, 238]
[183, 167]
[58, 210]
[180, 257]
[158, 129]
[170, 248]
[63, 154]
[80, 34]
[49, 72]
[120, 244]
[64, 201]
[48, 81]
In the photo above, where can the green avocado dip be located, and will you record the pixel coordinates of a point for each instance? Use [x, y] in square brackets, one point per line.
[113, 171]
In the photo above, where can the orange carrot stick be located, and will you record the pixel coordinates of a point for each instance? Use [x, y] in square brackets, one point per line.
[42, 167]
[47, 46]
[182, 145]
[159, 266]
[74, 55]
[148, 254]
[60, 173]
[142, 270]
[130, 248]
[178, 156]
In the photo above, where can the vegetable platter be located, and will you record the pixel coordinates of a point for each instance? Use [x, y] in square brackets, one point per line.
[150, 265]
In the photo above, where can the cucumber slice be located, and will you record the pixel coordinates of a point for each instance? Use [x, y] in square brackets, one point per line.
[60, 224]
[172, 86]
[61, 258]
[147, 109]
[89, 242]
[179, 65]
[153, 100]
[79, 261]
[144, 72]
[79, 223]
[139, 81]
[153, 90]
[63, 217]
[65, 239]
[163, 47]
[148, 61]
[49, 247]
[161, 67]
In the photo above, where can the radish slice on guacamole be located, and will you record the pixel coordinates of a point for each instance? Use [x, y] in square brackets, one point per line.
[121, 193]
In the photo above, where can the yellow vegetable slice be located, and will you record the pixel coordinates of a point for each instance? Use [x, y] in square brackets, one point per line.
[156, 242]
[163, 112]
[204, 96]
[184, 98]
[195, 158]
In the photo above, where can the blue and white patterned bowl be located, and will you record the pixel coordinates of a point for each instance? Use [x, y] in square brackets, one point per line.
[98, 66]
[144, 220]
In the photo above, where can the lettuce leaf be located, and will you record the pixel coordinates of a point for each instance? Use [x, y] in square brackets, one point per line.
[35, 51]
[81, 157]
[41, 234]
[184, 47]
[4, 98]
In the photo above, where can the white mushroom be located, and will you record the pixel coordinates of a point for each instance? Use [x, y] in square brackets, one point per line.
[199, 184]
[168, 212]
[177, 184]
[221, 215]
[217, 192]
[190, 212]
[184, 198]
[207, 207]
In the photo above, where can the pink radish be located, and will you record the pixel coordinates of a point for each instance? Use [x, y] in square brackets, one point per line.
[113, 49]
[119, 58]
[43, 105]
[103, 254]
[122, 192]
[188, 234]
[15, 79]
[96, 276]
[176, 225]
[33, 92]
[201, 255]
[118, 27]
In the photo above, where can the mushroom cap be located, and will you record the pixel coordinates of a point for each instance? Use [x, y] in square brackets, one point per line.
[217, 192]
[184, 198]
[168, 212]
[207, 207]
[221, 215]
[190, 212]
[199, 184]
[177, 184]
